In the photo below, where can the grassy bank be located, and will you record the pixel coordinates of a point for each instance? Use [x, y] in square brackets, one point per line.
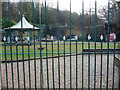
[19, 52]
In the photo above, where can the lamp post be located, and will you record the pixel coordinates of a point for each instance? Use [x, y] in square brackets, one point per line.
[90, 13]
[118, 22]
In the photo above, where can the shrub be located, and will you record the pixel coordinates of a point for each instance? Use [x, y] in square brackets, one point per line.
[7, 23]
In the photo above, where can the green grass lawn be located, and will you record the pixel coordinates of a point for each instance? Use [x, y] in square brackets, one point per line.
[26, 52]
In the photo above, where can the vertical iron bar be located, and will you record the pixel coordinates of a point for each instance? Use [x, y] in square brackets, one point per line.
[119, 80]
[95, 28]
[53, 64]
[45, 20]
[34, 43]
[70, 48]
[88, 64]
[41, 66]
[64, 68]
[82, 44]
[101, 67]
[58, 43]
[1, 73]
[35, 63]
[6, 63]
[40, 37]
[1, 50]
[113, 79]
[76, 65]
[108, 32]
[29, 64]
[21, 16]
[9, 16]
[17, 65]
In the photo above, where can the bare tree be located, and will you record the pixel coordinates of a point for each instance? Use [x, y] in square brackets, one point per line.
[113, 10]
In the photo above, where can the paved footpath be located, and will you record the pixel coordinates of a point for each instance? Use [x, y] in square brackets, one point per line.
[30, 81]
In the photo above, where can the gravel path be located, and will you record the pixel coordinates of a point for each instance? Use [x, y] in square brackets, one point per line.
[56, 79]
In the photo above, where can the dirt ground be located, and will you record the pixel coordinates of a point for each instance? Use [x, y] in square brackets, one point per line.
[31, 77]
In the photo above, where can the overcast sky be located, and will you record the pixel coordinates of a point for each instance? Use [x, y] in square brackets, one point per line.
[76, 4]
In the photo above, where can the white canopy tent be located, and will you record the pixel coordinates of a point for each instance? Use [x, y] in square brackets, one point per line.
[16, 30]
[22, 24]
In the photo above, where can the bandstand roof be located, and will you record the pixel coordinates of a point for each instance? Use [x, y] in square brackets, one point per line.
[22, 24]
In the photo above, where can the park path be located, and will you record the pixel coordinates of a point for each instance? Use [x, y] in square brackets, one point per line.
[67, 63]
